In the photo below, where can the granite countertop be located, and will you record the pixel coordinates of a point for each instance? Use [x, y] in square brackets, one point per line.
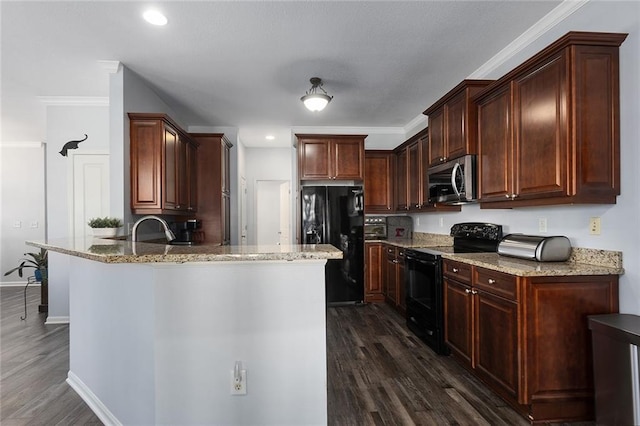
[583, 261]
[123, 251]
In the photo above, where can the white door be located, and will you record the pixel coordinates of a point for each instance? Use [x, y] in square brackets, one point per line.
[90, 191]
[243, 211]
[272, 212]
[285, 196]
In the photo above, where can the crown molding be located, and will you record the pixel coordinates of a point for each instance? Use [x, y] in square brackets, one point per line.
[546, 23]
[418, 122]
[112, 67]
[25, 144]
[74, 100]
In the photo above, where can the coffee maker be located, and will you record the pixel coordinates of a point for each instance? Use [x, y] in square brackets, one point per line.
[186, 231]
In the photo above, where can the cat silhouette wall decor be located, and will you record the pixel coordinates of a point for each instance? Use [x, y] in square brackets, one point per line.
[71, 145]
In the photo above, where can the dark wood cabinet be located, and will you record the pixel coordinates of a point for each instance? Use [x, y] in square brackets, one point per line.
[331, 157]
[394, 286]
[452, 123]
[548, 131]
[379, 178]
[373, 273]
[214, 191]
[162, 176]
[412, 182]
[527, 337]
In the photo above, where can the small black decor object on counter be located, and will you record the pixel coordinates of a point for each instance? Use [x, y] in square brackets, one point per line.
[71, 145]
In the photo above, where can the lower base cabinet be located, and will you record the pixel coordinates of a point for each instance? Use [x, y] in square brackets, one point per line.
[373, 278]
[394, 277]
[527, 338]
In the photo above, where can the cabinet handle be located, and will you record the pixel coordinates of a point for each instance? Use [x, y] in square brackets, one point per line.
[455, 270]
[388, 208]
[466, 290]
[514, 195]
[474, 292]
[492, 281]
[507, 195]
[178, 206]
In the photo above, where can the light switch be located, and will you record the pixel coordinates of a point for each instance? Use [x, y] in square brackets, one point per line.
[34, 224]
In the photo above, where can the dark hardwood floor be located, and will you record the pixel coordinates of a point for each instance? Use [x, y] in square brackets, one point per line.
[378, 373]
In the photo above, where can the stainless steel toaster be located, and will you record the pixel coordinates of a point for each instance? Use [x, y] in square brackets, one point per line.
[535, 247]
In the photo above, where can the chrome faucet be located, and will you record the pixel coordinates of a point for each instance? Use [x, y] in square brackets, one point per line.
[167, 232]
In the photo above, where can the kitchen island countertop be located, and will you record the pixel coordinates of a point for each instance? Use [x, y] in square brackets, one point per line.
[126, 251]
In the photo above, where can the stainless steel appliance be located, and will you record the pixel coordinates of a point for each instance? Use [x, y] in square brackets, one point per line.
[375, 228]
[453, 182]
[535, 247]
[334, 215]
[423, 279]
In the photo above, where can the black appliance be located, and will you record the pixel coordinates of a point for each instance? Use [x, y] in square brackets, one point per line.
[423, 279]
[334, 215]
[186, 232]
[453, 182]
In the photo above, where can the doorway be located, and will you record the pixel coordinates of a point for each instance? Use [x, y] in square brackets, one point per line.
[273, 217]
[90, 191]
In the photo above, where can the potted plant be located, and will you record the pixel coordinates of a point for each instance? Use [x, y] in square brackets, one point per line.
[104, 227]
[40, 263]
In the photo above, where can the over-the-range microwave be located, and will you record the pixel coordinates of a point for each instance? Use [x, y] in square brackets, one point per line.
[453, 182]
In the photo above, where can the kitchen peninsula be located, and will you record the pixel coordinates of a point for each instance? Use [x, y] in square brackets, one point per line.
[156, 331]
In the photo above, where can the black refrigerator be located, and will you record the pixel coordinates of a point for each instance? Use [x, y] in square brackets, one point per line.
[334, 215]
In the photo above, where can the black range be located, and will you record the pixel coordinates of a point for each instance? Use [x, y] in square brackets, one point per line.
[423, 279]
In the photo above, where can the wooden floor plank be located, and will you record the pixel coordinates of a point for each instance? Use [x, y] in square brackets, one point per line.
[379, 373]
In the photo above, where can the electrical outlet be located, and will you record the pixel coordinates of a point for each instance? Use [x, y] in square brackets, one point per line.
[34, 224]
[239, 388]
[594, 226]
[17, 224]
[542, 224]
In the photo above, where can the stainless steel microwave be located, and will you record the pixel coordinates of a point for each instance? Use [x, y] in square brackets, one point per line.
[453, 182]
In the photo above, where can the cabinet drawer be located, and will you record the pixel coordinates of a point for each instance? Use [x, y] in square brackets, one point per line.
[497, 283]
[458, 271]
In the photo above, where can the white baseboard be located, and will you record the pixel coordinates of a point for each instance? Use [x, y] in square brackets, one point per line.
[18, 284]
[56, 320]
[100, 410]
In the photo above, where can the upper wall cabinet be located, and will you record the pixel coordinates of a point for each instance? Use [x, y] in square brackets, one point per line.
[379, 177]
[548, 131]
[331, 157]
[452, 123]
[163, 158]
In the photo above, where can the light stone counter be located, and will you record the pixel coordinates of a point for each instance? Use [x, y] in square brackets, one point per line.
[124, 251]
[583, 261]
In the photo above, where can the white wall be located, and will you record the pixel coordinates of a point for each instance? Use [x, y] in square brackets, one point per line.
[22, 192]
[65, 123]
[619, 222]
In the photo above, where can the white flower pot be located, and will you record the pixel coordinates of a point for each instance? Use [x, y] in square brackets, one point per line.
[104, 232]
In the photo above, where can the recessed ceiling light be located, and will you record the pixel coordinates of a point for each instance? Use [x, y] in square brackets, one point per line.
[154, 17]
[270, 137]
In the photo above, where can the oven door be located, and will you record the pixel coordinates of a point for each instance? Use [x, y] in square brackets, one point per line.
[425, 317]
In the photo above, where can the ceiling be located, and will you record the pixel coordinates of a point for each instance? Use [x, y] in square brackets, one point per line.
[246, 64]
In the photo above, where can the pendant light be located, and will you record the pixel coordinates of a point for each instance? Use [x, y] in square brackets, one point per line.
[314, 100]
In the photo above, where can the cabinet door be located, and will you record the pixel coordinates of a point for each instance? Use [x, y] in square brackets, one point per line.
[146, 164]
[455, 121]
[436, 137]
[348, 159]
[182, 173]
[496, 341]
[378, 182]
[541, 133]
[391, 276]
[401, 181]
[414, 176]
[315, 159]
[226, 219]
[400, 274]
[458, 329]
[170, 165]
[373, 272]
[495, 157]
[192, 172]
